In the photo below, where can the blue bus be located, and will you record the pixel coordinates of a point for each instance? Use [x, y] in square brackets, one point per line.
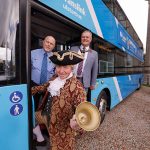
[24, 24]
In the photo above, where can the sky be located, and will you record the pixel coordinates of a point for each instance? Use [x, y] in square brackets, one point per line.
[137, 13]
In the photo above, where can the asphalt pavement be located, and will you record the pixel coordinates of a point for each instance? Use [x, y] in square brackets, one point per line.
[126, 126]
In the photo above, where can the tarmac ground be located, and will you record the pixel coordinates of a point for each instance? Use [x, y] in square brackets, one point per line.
[125, 127]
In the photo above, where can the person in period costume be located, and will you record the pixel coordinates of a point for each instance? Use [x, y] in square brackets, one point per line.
[87, 70]
[63, 94]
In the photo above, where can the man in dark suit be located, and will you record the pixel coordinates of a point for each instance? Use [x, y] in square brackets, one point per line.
[87, 71]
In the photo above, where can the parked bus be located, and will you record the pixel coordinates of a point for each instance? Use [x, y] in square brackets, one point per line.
[24, 24]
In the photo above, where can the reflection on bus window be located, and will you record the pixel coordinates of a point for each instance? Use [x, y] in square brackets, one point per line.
[5, 59]
[9, 22]
[106, 62]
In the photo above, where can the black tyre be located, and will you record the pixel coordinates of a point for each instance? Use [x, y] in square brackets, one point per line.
[102, 104]
[139, 85]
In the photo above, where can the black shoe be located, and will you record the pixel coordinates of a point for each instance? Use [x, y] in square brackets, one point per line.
[43, 143]
[34, 148]
[34, 144]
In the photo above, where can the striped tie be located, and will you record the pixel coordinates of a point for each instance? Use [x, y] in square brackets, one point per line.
[79, 71]
[80, 65]
[43, 77]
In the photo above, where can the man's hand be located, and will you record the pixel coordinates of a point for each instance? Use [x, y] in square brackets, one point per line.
[73, 123]
[92, 87]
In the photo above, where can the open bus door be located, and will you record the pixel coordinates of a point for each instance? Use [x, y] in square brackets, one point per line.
[15, 103]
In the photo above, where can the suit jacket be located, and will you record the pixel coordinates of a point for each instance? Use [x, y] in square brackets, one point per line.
[90, 68]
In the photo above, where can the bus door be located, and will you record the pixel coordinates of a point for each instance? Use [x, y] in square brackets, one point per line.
[14, 117]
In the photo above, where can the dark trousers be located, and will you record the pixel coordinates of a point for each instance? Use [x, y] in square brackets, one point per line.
[89, 95]
[88, 90]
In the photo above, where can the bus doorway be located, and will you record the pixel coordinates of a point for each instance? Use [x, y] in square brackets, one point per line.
[64, 31]
[45, 22]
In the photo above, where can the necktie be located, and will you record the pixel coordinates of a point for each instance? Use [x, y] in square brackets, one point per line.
[83, 51]
[43, 77]
[80, 65]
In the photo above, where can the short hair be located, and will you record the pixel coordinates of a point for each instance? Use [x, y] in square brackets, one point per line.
[87, 31]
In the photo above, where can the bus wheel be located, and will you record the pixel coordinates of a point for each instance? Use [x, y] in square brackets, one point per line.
[139, 85]
[102, 104]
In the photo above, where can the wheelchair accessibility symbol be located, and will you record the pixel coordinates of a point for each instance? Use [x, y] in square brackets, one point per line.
[16, 109]
[16, 97]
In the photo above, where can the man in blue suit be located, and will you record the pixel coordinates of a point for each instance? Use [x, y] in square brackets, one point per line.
[87, 71]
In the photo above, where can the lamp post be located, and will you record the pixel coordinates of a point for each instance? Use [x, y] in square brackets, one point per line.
[147, 56]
